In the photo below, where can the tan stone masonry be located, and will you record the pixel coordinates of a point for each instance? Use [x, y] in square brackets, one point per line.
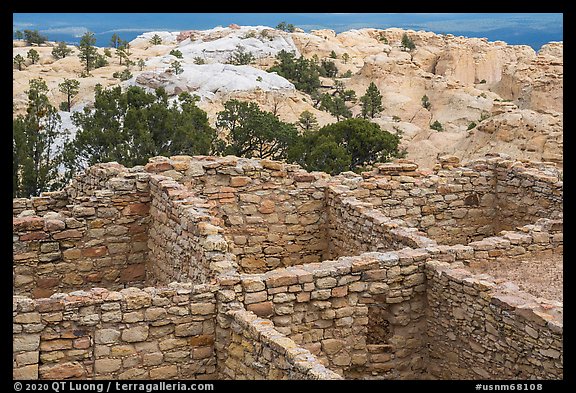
[233, 268]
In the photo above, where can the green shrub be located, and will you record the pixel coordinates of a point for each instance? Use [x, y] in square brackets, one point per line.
[437, 126]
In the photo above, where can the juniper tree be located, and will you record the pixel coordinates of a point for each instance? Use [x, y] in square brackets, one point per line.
[33, 135]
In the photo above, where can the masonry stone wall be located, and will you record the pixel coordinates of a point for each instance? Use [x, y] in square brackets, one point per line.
[97, 240]
[526, 193]
[155, 333]
[337, 309]
[355, 227]
[480, 330]
[184, 244]
[459, 204]
[256, 350]
[273, 213]
[263, 270]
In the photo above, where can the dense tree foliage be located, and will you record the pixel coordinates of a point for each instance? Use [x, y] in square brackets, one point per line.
[33, 135]
[18, 35]
[34, 37]
[61, 50]
[328, 69]
[176, 53]
[302, 72]
[33, 55]
[371, 101]
[347, 145]
[70, 88]
[437, 126]
[251, 132]
[88, 52]
[426, 104]
[289, 27]
[176, 67]
[115, 41]
[407, 43]
[156, 40]
[18, 61]
[307, 121]
[131, 126]
[335, 105]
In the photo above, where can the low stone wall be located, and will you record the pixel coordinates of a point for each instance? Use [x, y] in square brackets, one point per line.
[355, 227]
[480, 330]
[527, 192]
[273, 214]
[155, 333]
[98, 241]
[255, 350]
[361, 316]
[184, 244]
[459, 204]
[544, 235]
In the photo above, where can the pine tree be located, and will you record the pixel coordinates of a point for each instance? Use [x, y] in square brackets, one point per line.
[33, 135]
[88, 52]
[33, 55]
[18, 61]
[18, 35]
[70, 87]
[176, 67]
[156, 40]
[115, 41]
[141, 63]
[407, 42]
[371, 102]
[307, 121]
[61, 50]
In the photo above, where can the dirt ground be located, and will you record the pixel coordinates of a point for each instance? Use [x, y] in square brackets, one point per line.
[541, 274]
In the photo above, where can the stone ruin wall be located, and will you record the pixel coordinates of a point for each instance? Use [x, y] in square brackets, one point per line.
[361, 316]
[374, 315]
[273, 214]
[184, 244]
[96, 240]
[481, 330]
[155, 333]
[459, 204]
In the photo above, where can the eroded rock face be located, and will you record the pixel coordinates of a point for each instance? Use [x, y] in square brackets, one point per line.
[468, 81]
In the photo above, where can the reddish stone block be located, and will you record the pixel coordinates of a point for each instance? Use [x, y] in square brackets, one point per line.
[95, 251]
[133, 273]
[27, 223]
[82, 343]
[70, 233]
[46, 283]
[239, 181]
[262, 309]
[304, 177]
[94, 277]
[62, 371]
[137, 209]
[202, 340]
[38, 235]
[158, 167]
[42, 292]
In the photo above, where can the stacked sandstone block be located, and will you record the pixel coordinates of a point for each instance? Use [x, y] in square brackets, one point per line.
[155, 333]
[478, 329]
